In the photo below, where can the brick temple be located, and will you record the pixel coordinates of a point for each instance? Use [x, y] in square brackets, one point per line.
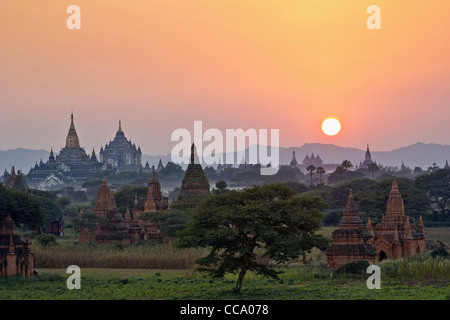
[128, 229]
[195, 184]
[394, 237]
[16, 257]
[349, 243]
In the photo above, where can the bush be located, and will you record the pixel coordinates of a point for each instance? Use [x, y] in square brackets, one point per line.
[440, 252]
[353, 268]
[46, 239]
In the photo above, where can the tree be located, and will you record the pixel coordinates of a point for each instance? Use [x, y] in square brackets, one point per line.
[241, 227]
[434, 167]
[311, 168]
[320, 171]
[171, 171]
[437, 187]
[221, 187]
[373, 167]
[342, 174]
[46, 239]
[24, 208]
[170, 222]
[346, 164]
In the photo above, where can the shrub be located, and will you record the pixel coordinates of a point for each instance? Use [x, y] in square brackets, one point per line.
[353, 268]
[440, 252]
[46, 239]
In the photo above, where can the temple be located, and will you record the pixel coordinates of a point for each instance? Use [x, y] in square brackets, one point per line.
[155, 201]
[15, 181]
[16, 257]
[349, 243]
[393, 238]
[121, 154]
[367, 159]
[294, 162]
[195, 184]
[71, 164]
[115, 228]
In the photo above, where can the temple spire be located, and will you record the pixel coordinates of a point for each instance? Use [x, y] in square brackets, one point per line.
[350, 218]
[72, 140]
[194, 155]
[294, 162]
[420, 225]
[395, 202]
[120, 126]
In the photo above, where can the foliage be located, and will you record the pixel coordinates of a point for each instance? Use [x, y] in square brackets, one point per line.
[332, 218]
[306, 282]
[221, 187]
[89, 223]
[258, 222]
[437, 187]
[171, 172]
[46, 239]
[299, 188]
[343, 174]
[440, 252]
[24, 208]
[170, 222]
[371, 196]
[126, 194]
[355, 268]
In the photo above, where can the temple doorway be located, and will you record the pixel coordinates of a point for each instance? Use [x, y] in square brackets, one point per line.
[382, 256]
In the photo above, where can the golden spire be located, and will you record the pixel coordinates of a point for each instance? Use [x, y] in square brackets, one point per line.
[120, 126]
[72, 140]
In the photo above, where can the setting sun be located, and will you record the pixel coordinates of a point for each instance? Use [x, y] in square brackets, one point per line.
[331, 127]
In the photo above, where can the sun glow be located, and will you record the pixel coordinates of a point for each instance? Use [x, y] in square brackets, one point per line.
[331, 127]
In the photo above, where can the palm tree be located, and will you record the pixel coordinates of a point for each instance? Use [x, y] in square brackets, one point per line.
[373, 167]
[311, 169]
[320, 171]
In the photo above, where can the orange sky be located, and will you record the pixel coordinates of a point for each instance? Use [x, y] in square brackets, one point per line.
[159, 65]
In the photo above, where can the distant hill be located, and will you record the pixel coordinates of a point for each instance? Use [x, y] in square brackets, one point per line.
[420, 154]
[21, 159]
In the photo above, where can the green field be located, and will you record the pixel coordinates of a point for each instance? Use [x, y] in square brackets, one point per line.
[163, 272]
[135, 284]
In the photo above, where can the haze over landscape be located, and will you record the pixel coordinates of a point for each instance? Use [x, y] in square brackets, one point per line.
[419, 154]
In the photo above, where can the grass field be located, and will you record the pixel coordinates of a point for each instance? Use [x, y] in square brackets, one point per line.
[165, 272]
[136, 284]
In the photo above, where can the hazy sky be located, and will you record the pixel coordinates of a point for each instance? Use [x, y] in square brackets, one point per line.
[158, 65]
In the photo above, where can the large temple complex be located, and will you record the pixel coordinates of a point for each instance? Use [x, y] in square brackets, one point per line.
[121, 154]
[395, 237]
[73, 164]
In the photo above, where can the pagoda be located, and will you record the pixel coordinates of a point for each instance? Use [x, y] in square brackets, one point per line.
[195, 184]
[349, 242]
[395, 236]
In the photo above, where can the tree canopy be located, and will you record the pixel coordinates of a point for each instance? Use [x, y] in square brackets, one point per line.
[437, 187]
[24, 208]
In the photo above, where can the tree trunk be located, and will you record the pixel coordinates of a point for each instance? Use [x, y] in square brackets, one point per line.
[241, 276]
